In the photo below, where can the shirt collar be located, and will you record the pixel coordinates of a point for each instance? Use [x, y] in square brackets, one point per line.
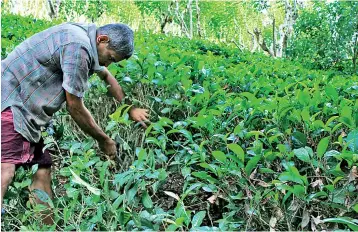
[92, 34]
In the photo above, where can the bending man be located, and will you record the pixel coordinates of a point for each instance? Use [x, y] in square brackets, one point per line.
[44, 71]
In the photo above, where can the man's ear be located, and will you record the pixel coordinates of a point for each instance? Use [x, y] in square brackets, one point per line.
[102, 39]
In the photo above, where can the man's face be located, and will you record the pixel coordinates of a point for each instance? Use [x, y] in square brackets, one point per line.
[106, 56]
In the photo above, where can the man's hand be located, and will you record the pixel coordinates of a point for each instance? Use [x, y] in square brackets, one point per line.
[139, 115]
[85, 121]
[108, 146]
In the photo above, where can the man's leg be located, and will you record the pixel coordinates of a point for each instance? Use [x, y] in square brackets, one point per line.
[42, 181]
[7, 174]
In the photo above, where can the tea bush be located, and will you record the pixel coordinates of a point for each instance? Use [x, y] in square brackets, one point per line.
[237, 141]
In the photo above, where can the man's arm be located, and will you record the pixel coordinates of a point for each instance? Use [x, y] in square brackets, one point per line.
[85, 121]
[114, 88]
[116, 91]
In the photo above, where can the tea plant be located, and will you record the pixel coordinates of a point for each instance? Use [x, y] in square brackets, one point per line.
[237, 141]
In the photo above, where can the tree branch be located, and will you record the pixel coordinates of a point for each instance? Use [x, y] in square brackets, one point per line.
[181, 19]
[263, 43]
[273, 37]
[167, 18]
[238, 46]
[198, 17]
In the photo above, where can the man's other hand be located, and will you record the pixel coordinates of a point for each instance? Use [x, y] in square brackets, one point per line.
[109, 147]
[139, 115]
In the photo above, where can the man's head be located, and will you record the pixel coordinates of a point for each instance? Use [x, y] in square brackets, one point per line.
[114, 43]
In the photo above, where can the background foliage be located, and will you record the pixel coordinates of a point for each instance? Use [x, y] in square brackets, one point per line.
[324, 36]
[238, 140]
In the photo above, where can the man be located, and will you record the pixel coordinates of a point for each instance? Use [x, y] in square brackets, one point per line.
[44, 71]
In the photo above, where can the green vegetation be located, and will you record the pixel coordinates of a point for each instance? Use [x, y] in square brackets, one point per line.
[238, 141]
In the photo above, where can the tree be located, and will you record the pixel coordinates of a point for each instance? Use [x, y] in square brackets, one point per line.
[281, 36]
[198, 18]
[162, 11]
[326, 35]
[54, 6]
[92, 9]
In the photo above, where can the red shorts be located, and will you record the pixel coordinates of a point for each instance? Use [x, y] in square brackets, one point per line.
[15, 149]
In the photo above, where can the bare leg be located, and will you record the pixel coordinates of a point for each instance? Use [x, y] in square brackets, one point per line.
[7, 174]
[42, 181]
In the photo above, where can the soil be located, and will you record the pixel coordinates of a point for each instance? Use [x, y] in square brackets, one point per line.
[58, 179]
[174, 183]
[193, 202]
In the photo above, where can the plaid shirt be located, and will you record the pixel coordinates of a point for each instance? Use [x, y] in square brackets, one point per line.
[35, 75]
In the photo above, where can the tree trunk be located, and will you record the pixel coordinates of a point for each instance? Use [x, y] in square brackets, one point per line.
[274, 37]
[54, 8]
[167, 18]
[355, 53]
[285, 30]
[263, 43]
[237, 31]
[198, 17]
[180, 17]
[253, 42]
[190, 11]
[162, 25]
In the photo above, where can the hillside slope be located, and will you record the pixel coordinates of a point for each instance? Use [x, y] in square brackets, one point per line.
[237, 141]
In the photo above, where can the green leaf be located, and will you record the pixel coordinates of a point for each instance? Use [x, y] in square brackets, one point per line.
[185, 171]
[238, 129]
[103, 171]
[347, 121]
[43, 196]
[305, 114]
[204, 176]
[331, 119]
[34, 168]
[238, 151]
[131, 193]
[78, 180]
[162, 174]
[118, 201]
[287, 176]
[302, 154]
[146, 200]
[165, 110]
[113, 194]
[179, 221]
[298, 190]
[172, 227]
[292, 175]
[198, 219]
[251, 165]
[116, 116]
[220, 156]
[210, 167]
[346, 221]
[25, 183]
[346, 116]
[191, 188]
[298, 139]
[316, 195]
[331, 92]
[322, 146]
[352, 140]
[142, 154]
[355, 207]
[304, 97]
